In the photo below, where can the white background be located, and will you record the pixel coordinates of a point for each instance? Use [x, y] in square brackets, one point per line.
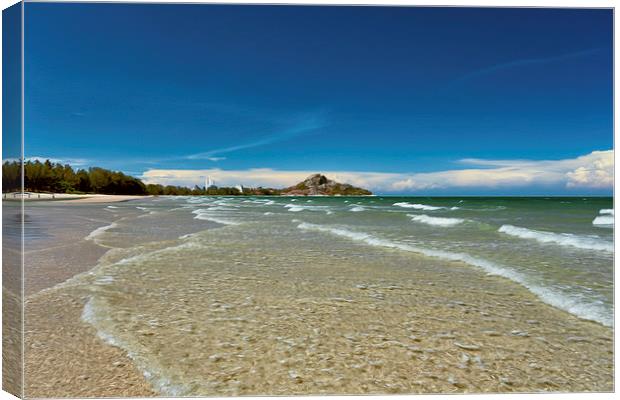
[491, 3]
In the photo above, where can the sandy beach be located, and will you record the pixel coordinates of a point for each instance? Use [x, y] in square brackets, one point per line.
[53, 322]
[81, 198]
[322, 322]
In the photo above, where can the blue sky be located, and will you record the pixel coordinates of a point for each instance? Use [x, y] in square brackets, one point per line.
[11, 79]
[154, 89]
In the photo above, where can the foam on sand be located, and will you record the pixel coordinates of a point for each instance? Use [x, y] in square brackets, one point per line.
[436, 221]
[95, 313]
[561, 239]
[577, 306]
[357, 209]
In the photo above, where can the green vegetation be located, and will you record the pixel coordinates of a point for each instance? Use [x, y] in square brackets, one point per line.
[55, 177]
[318, 184]
[58, 178]
[348, 190]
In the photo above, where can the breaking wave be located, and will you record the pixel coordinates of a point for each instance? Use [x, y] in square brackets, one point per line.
[590, 310]
[561, 239]
[205, 215]
[436, 221]
[605, 219]
[424, 207]
[99, 231]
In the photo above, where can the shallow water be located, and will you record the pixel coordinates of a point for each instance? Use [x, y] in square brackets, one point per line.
[549, 245]
[300, 295]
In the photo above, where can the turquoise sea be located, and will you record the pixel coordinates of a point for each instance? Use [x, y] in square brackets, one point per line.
[281, 295]
[561, 249]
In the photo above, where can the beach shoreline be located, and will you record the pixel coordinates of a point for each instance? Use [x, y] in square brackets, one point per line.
[92, 368]
[438, 327]
[71, 198]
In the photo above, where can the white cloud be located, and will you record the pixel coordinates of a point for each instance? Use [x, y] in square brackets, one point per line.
[598, 171]
[591, 171]
[265, 177]
[77, 162]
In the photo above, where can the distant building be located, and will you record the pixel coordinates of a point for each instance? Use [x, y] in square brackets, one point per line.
[239, 188]
[209, 183]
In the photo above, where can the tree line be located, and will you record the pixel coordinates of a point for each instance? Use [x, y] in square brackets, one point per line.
[58, 178]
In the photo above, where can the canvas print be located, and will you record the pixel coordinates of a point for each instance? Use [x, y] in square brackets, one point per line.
[227, 200]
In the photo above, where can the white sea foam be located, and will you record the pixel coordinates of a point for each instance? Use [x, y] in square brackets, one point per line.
[436, 221]
[147, 210]
[95, 313]
[561, 239]
[216, 220]
[206, 215]
[259, 201]
[575, 305]
[104, 280]
[424, 207]
[112, 207]
[99, 231]
[298, 208]
[605, 219]
[357, 209]
[220, 208]
[195, 200]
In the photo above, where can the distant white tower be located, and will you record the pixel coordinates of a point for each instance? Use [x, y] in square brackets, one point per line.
[209, 182]
[239, 188]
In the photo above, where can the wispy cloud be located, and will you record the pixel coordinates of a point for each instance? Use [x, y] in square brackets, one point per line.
[525, 62]
[590, 171]
[307, 125]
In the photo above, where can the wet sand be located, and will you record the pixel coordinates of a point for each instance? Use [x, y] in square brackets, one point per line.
[66, 358]
[106, 198]
[63, 355]
[329, 321]
[324, 322]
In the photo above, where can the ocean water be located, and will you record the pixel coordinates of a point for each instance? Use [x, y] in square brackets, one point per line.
[181, 265]
[559, 248]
